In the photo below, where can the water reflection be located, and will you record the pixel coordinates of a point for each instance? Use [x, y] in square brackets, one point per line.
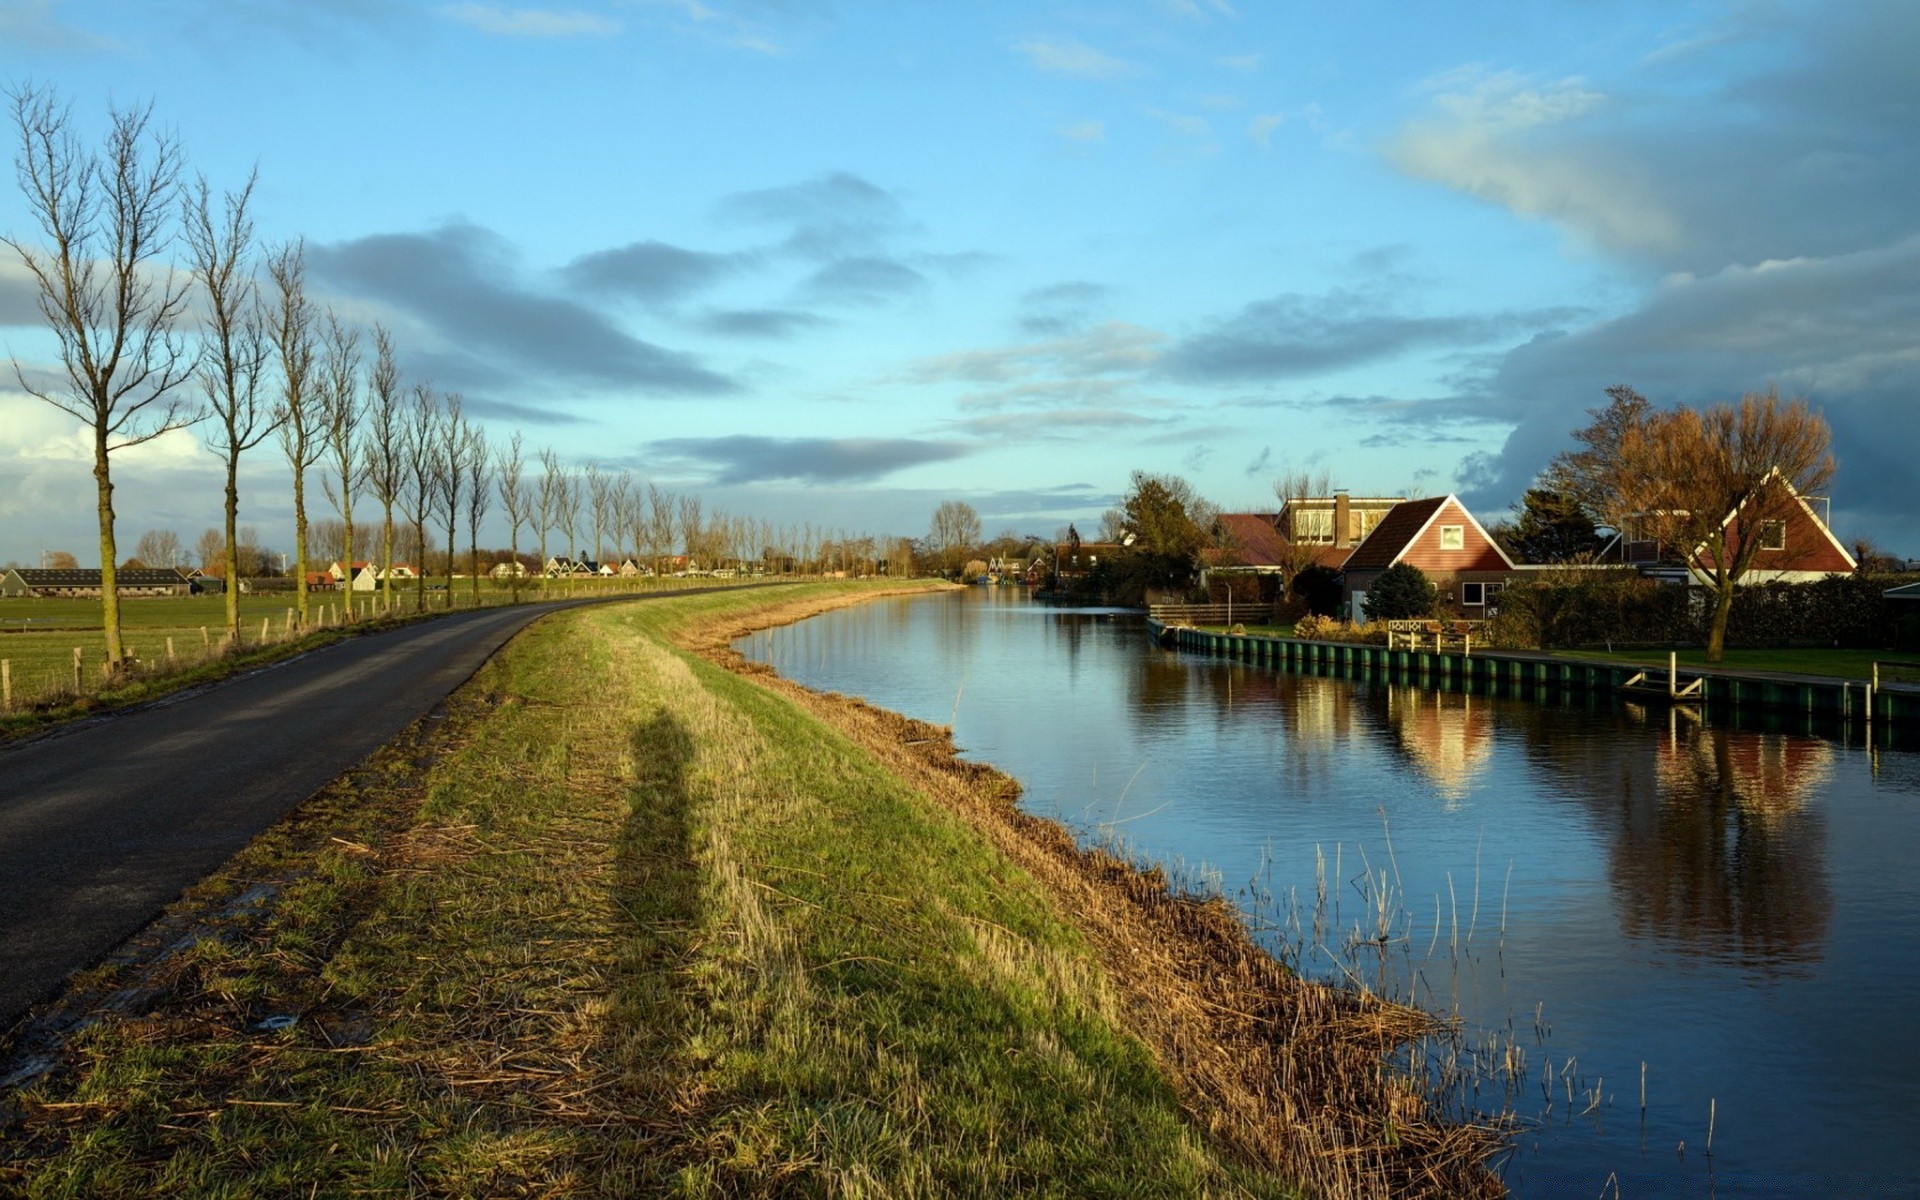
[1446, 735]
[1732, 910]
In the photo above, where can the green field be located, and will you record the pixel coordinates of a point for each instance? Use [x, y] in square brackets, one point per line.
[38, 636]
[1839, 664]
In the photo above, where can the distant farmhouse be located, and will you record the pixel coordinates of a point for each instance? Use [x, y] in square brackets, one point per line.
[85, 583]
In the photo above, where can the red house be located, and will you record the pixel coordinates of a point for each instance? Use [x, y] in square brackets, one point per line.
[1443, 539]
[1795, 544]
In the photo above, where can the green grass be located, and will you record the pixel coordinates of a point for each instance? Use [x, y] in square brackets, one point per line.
[1842, 664]
[627, 924]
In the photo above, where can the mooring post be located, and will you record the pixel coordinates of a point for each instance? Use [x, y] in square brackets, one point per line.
[1673, 672]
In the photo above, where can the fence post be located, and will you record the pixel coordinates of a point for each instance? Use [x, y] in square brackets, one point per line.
[77, 683]
[266, 629]
[6, 685]
[206, 640]
[169, 649]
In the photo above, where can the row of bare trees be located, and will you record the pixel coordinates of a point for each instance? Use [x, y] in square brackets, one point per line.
[137, 334]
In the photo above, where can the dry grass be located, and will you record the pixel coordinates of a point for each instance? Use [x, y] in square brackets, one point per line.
[1295, 1074]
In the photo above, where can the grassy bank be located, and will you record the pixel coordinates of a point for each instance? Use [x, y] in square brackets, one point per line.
[1839, 664]
[628, 922]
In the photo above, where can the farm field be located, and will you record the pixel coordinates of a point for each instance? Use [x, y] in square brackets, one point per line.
[38, 636]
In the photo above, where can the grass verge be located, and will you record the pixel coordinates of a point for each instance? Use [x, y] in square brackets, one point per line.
[627, 922]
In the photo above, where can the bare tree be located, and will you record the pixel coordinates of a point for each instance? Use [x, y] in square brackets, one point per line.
[105, 218]
[449, 475]
[301, 420]
[509, 467]
[566, 509]
[419, 452]
[659, 525]
[953, 534]
[1608, 476]
[233, 354]
[159, 548]
[1722, 477]
[599, 506]
[479, 473]
[384, 452]
[341, 414]
[547, 499]
[691, 527]
[210, 549]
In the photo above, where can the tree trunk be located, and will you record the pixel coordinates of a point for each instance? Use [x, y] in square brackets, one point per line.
[346, 547]
[109, 573]
[300, 539]
[451, 531]
[420, 572]
[473, 560]
[384, 585]
[232, 572]
[1717, 631]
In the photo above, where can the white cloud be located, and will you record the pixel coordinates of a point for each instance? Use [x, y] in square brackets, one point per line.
[1241, 62]
[1480, 139]
[1085, 131]
[1260, 129]
[1064, 56]
[1114, 347]
[530, 22]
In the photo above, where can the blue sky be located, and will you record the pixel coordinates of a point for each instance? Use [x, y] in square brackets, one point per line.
[838, 262]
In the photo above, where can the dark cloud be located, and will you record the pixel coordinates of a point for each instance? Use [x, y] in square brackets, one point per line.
[1763, 173]
[746, 459]
[1292, 336]
[1837, 330]
[650, 272]
[460, 280]
[19, 295]
[524, 414]
[760, 322]
[830, 217]
[1069, 425]
[1259, 465]
[1063, 308]
[866, 280]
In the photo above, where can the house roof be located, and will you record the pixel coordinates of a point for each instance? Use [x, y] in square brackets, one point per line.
[90, 577]
[1395, 532]
[1254, 538]
[1403, 526]
[1908, 591]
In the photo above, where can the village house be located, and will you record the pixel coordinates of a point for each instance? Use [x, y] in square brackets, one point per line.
[1323, 530]
[85, 582]
[1796, 545]
[1439, 536]
[508, 570]
[366, 575]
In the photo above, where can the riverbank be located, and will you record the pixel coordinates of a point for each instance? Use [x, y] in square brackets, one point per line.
[1812, 704]
[621, 921]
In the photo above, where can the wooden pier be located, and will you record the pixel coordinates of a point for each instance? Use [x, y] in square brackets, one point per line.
[1816, 702]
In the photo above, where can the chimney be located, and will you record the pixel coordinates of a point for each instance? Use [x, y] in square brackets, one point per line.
[1342, 520]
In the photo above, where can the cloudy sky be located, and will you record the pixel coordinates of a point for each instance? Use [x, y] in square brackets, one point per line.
[839, 261]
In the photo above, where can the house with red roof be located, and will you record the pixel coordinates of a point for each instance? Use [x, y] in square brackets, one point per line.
[1439, 536]
[1796, 546]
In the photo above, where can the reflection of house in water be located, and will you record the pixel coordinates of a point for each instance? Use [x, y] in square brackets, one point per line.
[1447, 735]
[1713, 844]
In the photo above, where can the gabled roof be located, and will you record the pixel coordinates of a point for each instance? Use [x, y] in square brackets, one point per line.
[1908, 591]
[1771, 476]
[1254, 537]
[1405, 525]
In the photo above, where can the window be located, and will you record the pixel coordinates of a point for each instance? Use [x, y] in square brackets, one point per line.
[1773, 535]
[1313, 525]
[1473, 595]
[1453, 537]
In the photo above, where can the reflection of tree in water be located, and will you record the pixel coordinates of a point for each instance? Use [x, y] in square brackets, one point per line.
[1448, 736]
[1713, 844]
[1735, 860]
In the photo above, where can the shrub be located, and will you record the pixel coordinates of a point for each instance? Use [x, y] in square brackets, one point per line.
[1402, 591]
[1331, 629]
[1319, 590]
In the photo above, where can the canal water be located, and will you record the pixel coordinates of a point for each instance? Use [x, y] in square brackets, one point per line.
[1615, 903]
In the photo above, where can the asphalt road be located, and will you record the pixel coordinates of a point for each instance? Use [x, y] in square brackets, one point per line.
[105, 822]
